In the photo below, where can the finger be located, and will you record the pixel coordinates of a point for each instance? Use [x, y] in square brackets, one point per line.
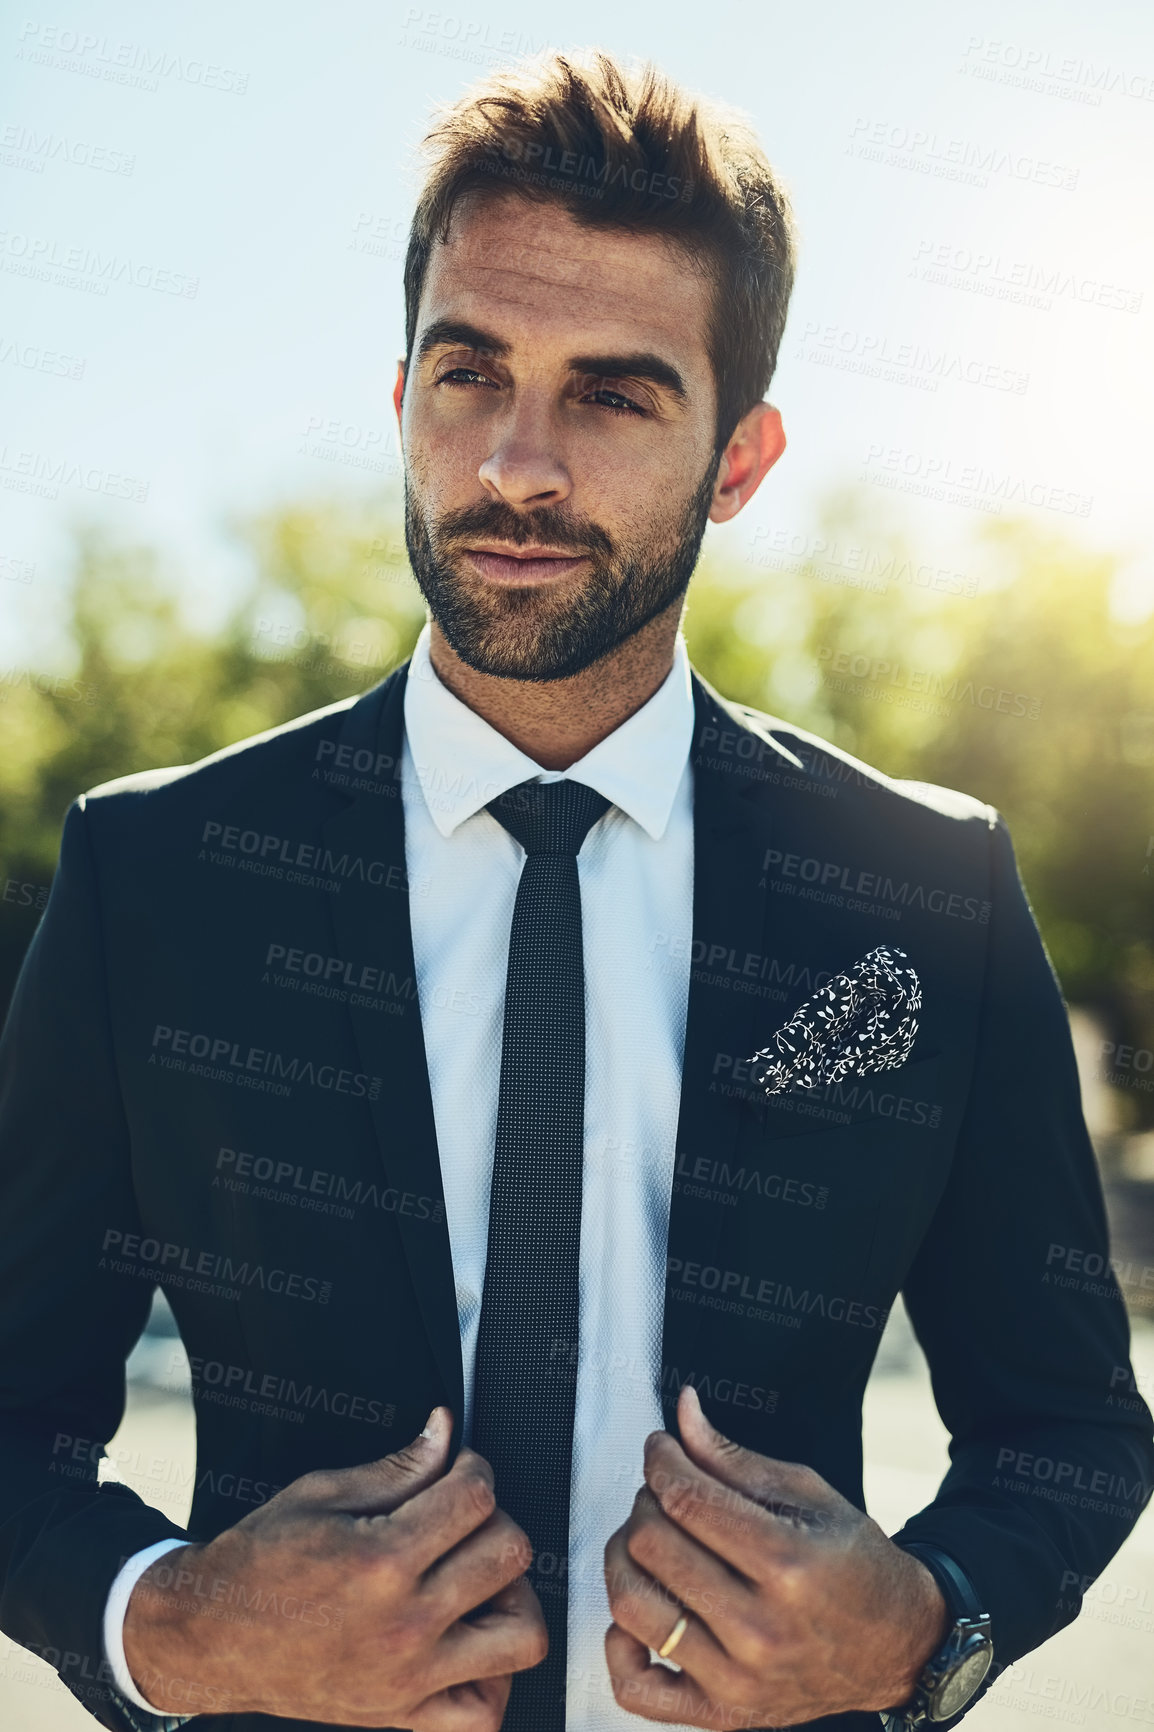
[646, 1688]
[745, 1533]
[507, 1636]
[496, 1553]
[438, 1518]
[787, 1489]
[695, 1576]
[379, 1487]
[643, 1606]
[464, 1707]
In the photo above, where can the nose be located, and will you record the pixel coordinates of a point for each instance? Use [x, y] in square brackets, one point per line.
[525, 465]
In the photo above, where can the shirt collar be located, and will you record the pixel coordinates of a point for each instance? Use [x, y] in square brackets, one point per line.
[462, 762]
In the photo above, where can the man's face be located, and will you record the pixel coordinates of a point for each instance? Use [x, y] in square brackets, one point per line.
[558, 425]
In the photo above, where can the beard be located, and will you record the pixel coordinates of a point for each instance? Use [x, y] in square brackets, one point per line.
[555, 630]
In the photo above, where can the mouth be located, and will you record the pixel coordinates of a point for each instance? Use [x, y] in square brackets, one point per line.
[522, 565]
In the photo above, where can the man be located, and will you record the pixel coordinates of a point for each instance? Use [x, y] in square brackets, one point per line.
[409, 1046]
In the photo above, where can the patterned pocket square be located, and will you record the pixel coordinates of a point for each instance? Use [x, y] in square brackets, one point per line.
[862, 1021]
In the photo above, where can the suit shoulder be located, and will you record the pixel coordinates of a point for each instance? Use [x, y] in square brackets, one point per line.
[258, 761]
[829, 765]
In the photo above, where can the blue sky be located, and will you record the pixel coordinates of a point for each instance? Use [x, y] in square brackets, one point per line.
[972, 324]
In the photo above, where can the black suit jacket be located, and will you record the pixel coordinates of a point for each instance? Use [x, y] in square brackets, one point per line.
[170, 1109]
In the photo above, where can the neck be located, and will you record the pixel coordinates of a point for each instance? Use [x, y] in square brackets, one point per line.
[555, 722]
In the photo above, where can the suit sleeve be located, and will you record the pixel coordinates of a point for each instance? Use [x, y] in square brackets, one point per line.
[66, 1324]
[1014, 1301]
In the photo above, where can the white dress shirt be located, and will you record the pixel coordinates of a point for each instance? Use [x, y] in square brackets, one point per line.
[636, 875]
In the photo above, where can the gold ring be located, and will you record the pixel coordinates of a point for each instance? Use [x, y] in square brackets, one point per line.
[674, 1636]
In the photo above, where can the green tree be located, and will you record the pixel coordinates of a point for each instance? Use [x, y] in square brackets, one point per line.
[1027, 693]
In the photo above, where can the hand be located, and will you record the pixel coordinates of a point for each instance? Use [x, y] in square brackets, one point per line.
[382, 1595]
[799, 1605]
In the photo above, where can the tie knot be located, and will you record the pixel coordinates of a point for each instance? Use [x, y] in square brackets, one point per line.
[549, 817]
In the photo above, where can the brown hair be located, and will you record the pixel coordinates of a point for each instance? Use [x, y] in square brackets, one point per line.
[626, 150]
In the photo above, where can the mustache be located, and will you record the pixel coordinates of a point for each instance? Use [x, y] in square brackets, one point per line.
[547, 526]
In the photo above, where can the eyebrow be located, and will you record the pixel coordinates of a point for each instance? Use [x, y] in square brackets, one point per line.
[642, 364]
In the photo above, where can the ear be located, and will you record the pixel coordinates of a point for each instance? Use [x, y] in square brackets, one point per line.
[399, 389]
[754, 447]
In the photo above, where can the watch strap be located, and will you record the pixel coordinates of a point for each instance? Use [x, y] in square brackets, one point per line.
[957, 1589]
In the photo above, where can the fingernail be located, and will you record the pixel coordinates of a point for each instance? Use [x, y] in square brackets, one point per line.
[428, 1431]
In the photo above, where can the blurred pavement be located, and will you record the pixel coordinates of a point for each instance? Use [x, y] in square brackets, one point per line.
[1097, 1674]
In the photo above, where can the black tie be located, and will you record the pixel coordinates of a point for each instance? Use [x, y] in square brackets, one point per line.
[525, 1380]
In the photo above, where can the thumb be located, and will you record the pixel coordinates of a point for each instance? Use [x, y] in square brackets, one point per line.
[783, 1486]
[379, 1487]
[705, 1446]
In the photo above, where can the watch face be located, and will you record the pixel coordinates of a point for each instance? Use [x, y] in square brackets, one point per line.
[955, 1690]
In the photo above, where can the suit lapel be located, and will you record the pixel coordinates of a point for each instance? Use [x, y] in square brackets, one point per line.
[373, 918]
[731, 919]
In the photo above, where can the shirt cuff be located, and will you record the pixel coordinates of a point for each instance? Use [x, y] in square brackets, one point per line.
[114, 1610]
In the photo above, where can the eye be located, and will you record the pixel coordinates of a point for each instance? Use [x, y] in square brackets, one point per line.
[623, 406]
[620, 404]
[452, 377]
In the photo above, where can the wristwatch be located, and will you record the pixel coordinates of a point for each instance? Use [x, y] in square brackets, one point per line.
[953, 1674]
